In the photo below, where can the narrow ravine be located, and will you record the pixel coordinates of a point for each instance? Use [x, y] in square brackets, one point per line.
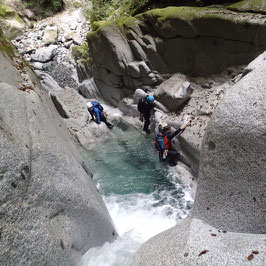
[142, 195]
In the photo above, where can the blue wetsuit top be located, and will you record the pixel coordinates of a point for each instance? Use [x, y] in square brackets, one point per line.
[97, 113]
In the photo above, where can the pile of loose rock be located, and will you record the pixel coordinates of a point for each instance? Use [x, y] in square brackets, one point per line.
[48, 46]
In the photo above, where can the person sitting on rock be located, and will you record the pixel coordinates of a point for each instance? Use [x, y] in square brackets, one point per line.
[145, 107]
[96, 111]
[163, 143]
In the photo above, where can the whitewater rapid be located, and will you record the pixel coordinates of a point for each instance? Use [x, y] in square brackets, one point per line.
[137, 218]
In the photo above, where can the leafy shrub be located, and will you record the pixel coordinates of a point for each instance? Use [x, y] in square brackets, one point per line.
[44, 7]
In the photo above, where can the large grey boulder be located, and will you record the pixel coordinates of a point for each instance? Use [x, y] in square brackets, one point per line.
[194, 242]
[228, 222]
[51, 212]
[232, 168]
[44, 54]
[50, 34]
[174, 92]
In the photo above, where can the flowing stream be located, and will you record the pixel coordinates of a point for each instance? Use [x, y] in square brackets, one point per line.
[144, 197]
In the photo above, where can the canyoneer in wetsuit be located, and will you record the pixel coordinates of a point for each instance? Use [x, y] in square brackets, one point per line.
[146, 107]
[96, 111]
[163, 143]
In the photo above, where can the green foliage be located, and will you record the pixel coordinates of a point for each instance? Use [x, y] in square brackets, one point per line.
[6, 11]
[112, 9]
[81, 52]
[44, 7]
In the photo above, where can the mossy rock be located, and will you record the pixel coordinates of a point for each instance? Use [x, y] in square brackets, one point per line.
[6, 12]
[97, 24]
[257, 6]
[190, 22]
[124, 23]
[6, 46]
[81, 52]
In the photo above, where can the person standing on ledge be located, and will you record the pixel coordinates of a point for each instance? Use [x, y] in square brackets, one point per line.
[96, 111]
[146, 107]
[163, 143]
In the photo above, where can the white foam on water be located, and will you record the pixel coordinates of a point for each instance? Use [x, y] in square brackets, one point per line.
[137, 218]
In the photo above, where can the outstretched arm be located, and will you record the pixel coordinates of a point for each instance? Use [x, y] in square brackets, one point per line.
[178, 131]
[172, 135]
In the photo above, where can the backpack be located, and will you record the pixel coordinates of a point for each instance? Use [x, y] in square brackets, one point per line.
[97, 105]
[141, 104]
[159, 142]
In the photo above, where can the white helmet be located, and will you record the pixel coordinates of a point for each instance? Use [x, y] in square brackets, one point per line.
[89, 105]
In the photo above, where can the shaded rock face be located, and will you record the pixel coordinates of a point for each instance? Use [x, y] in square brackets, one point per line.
[194, 41]
[233, 166]
[51, 212]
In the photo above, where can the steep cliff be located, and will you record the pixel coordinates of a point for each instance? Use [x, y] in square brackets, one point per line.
[130, 53]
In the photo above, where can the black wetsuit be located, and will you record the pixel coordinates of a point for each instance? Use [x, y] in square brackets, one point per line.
[173, 154]
[145, 108]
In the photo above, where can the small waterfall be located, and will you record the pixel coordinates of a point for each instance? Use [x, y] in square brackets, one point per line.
[143, 197]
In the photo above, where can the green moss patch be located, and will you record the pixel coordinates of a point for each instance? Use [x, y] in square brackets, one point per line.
[189, 14]
[6, 12]
[81, 52]
[258, 6]
[6, 46]
[123, 23]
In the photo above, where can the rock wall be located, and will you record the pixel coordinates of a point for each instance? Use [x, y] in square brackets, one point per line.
[227, 226]
[51, 212]
[131, 53]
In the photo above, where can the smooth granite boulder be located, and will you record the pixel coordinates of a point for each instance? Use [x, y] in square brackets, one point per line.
[194, 242]
[173, 92]
[51, 211]
[228, 223]
[44, 54]
[233, 159]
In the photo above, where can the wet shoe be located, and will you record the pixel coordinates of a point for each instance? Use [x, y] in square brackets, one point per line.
[172, 164]
[110, 126]
[148, 131]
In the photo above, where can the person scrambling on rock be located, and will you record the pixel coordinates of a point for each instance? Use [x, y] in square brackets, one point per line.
[163, 143]
[146, 107]
[96, 111]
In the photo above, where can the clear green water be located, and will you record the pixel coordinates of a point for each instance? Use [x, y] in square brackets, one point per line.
[142, 195]
[128, 164]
